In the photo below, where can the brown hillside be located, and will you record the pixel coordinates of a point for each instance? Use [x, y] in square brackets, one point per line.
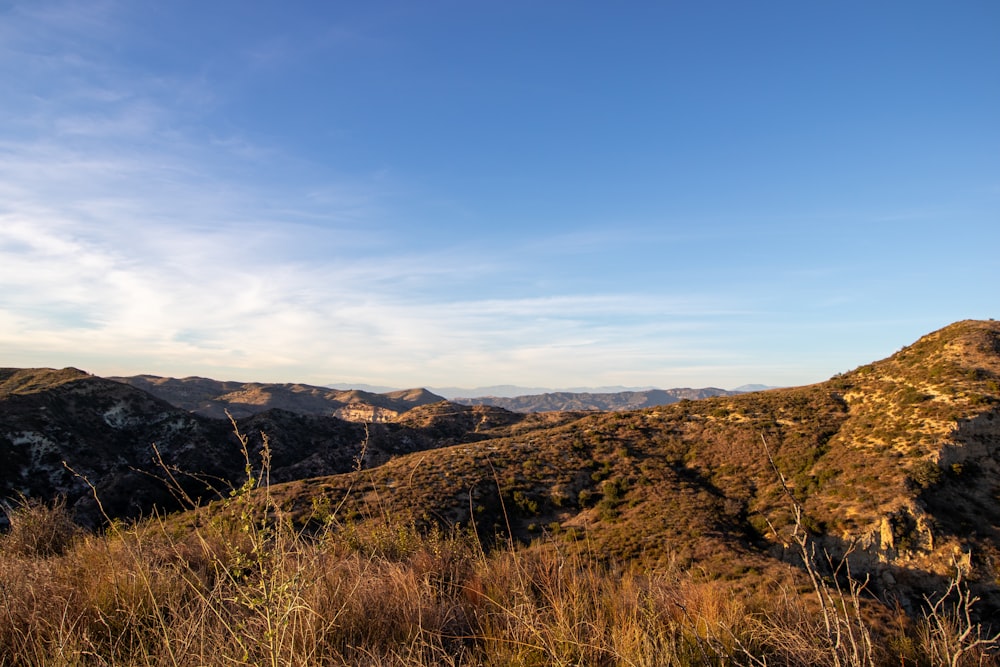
[665, 535]
[32, 380]
[895, 462]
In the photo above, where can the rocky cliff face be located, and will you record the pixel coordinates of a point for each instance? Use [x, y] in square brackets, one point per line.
[366, 414]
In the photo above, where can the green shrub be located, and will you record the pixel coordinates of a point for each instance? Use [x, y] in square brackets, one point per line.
[527, 505]
[925, 474]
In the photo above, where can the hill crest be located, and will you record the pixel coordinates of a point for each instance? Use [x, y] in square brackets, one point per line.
[895, 464]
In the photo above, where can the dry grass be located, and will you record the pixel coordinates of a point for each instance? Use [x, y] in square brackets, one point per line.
[242, 590]
[240, 583]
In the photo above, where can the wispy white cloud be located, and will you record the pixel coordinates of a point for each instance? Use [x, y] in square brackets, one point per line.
[133, 239]
[146, 261]
[185, 297]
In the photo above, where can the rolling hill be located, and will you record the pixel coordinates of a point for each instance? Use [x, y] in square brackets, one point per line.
[893, 467]
[62, 431]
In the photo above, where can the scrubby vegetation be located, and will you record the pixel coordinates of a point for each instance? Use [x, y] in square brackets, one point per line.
[240, 584]
[852, 522]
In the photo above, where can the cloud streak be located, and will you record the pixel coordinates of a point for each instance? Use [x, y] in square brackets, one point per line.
[151, 222]
[190, 298]
[143, 259]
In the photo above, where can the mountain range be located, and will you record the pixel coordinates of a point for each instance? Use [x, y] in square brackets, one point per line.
[214, 398]
[893, 467]
[70, 434]
[513, 391]
[621, 400]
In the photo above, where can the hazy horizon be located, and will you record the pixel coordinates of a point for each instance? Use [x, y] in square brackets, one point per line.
[555, 194]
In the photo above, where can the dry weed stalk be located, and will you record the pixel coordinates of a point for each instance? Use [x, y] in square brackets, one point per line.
[847, 636]
[950, 634]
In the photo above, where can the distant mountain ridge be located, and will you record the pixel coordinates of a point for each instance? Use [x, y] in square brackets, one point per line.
[498, 390]
[604, 402]
[214, 398]
[515, 391]
[744, 388]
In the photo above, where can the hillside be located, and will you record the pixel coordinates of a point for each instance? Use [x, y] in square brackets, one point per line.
[817, 525]
[600, 402]
[63, 429]
[214, 398]
[894, 463]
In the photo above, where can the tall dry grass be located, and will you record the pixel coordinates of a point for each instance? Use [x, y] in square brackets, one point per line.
[232, 593]
[242, 585]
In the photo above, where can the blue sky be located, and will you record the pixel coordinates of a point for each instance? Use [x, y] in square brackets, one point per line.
[549, 194]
